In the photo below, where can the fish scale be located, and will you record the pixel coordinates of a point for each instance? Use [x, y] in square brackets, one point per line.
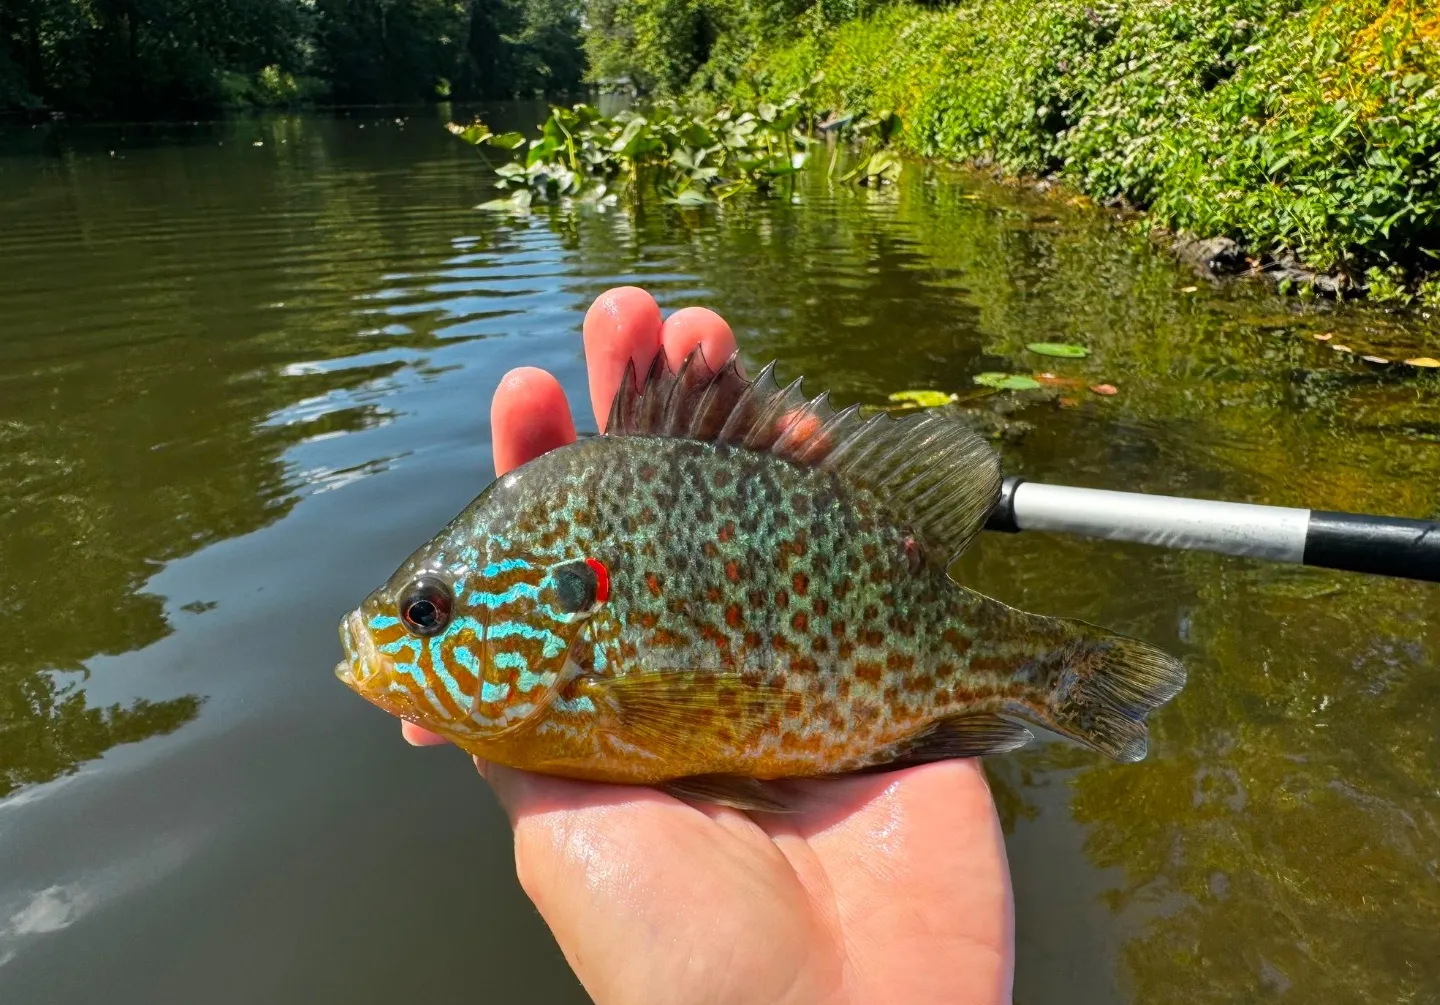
[777, 604]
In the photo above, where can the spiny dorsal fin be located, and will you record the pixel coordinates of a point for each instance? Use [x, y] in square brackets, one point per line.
[931, 469]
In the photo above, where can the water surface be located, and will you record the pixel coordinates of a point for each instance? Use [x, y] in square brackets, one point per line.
[245, 369]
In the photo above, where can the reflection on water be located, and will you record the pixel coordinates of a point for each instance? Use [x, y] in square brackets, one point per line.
[246, 368]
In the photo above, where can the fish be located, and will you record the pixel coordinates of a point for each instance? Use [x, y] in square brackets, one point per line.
[733, 586]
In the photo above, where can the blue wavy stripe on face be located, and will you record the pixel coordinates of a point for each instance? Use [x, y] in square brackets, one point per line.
[493, 600]
[504, 565]
[380, 622]
[467, 659]
[530, 681]
[393, 648]
[511, 661]
[599, 657]
[493, 692]
[442, 670]
[554, 644]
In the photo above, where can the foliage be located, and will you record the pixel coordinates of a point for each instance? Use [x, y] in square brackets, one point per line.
[1303, 128]
[184, 57]
[688, 159]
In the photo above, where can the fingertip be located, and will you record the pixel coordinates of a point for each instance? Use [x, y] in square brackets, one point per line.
[697, 326]
[622, 325]
[528, 416]
[419, 736]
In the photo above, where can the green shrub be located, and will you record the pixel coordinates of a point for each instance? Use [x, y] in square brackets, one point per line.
[1301, 128]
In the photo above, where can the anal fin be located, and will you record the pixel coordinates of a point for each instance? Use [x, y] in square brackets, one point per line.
[957, 736]
[737, 791]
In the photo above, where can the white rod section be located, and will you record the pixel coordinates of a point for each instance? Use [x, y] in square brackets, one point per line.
[1275, 533]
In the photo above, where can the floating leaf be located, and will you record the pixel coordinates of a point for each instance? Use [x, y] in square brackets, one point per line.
[1425, 361]
[1006, 381]
[1105, 389]
[518, 202]
[1189, 289]
[507, 141]
[1066, 349]
[1324, 336]
[925, 399]
[1375, 359]
[691, 197]
[1342, 348]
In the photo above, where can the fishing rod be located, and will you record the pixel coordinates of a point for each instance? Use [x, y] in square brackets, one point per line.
[1379, 545]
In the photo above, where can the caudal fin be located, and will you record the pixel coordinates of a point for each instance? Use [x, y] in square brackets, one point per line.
[1104, 685]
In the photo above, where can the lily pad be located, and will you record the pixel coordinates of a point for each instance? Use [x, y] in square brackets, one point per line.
[517, 203]
[1066, 349]
[1006, 381]
[925, 399]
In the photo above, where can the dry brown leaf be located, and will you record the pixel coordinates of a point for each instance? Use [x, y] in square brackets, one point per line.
[1106, 389]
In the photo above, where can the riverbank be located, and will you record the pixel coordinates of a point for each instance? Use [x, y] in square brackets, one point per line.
[1308, 133]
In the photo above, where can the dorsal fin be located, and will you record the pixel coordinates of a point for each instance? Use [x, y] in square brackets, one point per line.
[931, 469]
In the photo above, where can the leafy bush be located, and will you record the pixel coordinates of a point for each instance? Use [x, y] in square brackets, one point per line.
[1302, 128]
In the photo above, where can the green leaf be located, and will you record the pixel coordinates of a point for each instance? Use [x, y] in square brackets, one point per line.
[1006, 381]
[1068, 350]
[519, 202]
[690, 197]
[507, 141]
[925, 399]
[475, 133]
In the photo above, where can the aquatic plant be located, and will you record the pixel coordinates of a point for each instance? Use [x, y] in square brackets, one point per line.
[688, 158]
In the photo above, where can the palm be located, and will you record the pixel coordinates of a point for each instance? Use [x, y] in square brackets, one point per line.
[881, 888]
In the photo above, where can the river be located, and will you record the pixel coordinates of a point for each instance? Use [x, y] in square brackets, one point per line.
[245, 368]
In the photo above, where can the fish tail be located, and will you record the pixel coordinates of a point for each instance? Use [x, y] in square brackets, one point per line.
[1096, 687]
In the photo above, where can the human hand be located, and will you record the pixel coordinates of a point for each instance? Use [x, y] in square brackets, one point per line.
[880, 888]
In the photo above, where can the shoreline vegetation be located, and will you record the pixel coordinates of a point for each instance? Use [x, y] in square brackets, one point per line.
[1295, 138]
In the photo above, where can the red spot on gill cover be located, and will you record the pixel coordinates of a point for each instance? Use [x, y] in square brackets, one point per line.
[602, 579]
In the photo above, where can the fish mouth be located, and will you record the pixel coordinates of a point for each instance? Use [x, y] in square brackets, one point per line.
[362, 662]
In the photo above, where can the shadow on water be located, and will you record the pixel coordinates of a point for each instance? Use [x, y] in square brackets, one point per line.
[245, 369]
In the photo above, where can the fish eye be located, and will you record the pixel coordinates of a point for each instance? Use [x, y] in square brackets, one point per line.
[580, 585]
[425, 606]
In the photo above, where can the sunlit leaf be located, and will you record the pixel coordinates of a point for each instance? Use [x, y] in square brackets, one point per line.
[507, 141]
[925, 399]
[1006, 381]
[690, 197]
[1425, 361]
[1066, 349]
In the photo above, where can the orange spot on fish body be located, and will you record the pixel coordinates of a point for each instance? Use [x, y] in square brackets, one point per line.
[734, 617]
[652, 582]
[869, 672]
[732, 572]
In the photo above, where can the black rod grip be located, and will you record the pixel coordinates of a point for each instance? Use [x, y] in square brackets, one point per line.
[1380, 545]
[1002, 517]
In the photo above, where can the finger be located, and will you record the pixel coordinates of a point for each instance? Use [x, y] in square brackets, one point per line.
[528, 416]
[622, 325]
[419, 736]
[697, 326]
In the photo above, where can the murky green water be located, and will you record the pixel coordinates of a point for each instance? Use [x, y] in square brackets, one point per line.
[239, 382]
